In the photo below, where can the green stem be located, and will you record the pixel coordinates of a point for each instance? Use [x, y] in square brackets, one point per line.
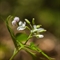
[31, 53]
[28, 38]
[15, 53]
[31, 26]
[27, 27]
[44, 54]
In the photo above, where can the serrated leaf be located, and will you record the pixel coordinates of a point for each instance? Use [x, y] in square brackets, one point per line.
[21, 37]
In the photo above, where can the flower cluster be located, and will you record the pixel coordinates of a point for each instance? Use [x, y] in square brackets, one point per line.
[35, 29]
[21, 25]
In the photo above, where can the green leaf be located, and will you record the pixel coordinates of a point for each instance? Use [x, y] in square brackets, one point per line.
[32, 46]
[21, 37]
[9, 18]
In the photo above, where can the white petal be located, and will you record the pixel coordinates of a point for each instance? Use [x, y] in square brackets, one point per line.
[23, 25]
[35, 27]
[40, 36]
[20, 23]
[40, 29]
[13, 23]
[20, 28]
[16, 19]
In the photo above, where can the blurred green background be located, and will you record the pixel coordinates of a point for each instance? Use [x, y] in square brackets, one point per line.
[45, 12]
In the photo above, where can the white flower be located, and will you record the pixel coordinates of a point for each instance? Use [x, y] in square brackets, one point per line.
[40, 36]
[21, 25]
[36, 29]
[16, 19]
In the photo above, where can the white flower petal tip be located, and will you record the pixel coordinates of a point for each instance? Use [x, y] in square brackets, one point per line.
[16, 19]
[40, 36]
[20, 23]
[24, 24]
[13, 23]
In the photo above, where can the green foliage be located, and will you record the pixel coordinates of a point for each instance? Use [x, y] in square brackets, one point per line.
[21, 37]
[35, 48]
[32, 46]
[10, 30]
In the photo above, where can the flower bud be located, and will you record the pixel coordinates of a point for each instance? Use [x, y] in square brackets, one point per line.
[16, 19]
[13, 23]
